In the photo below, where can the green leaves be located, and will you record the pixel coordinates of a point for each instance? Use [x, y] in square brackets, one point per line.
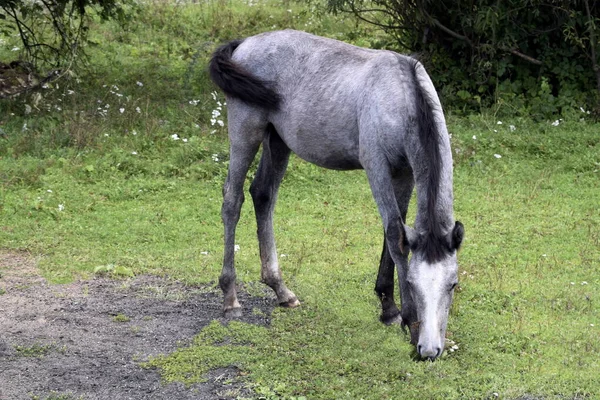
[68, 20]
[496, 49]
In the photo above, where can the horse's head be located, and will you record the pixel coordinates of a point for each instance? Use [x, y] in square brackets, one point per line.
[431, 279]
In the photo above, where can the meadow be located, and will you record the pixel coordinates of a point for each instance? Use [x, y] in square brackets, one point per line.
[122, 164]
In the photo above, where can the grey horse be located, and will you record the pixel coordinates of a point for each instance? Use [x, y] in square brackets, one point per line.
[344, 107]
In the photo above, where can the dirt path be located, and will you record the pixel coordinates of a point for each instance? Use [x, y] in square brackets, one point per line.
[85, 340]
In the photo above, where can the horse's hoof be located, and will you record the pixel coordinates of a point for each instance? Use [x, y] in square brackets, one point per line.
[391, 319]
[233, 313]
[293, 303]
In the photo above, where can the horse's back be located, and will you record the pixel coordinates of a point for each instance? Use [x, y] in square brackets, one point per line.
[331, 90]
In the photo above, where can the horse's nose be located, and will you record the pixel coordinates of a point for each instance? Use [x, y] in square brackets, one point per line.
[429, 352]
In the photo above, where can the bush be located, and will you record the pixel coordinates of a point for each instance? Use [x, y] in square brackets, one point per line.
[540, 53]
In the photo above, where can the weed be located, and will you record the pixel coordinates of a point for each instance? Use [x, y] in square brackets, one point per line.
[35, 350]
[121, 318]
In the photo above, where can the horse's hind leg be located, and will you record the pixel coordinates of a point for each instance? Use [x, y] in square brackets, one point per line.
[264, 188]
[244, 143]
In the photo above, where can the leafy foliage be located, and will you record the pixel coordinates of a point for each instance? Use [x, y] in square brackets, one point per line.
[52, 33]
[534, 55]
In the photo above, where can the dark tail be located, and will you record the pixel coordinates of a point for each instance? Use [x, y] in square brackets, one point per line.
[238, 83]
[433, 245]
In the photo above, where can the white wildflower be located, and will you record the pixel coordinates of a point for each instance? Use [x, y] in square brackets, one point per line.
[555, 123]
[15, 49]
[204, 253]
[215, 157]
[221, 123]
[70, 91]
[499, 123]
[138, 110]
[184, 140]
[121, 110]
[474, 137]
[512, 128]
[497, 156]
[175, 136]
[49, 190]
[584, 283]
[134, 132]
[140, 84]
[236, 247]
[61, 207]
[134, 153]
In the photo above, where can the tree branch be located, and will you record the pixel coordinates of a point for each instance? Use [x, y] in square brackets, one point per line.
[524, 56]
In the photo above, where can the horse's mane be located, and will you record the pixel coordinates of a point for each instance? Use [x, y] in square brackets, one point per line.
[433, 244]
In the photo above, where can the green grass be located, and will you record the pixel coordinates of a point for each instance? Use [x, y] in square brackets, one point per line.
[35, 350]
[72, 191]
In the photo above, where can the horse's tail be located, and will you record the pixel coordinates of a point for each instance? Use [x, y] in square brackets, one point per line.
[238, 83]
[433, 245]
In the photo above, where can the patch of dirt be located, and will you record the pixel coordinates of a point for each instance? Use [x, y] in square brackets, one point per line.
[86, 340]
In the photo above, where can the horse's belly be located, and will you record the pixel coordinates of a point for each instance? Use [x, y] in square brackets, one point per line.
[323, 146]
[321, 136]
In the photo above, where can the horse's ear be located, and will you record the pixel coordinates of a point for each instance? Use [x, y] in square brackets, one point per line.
[457, 236]
[408, 237]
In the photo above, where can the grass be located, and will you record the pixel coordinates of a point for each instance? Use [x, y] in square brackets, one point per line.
[35, 350]
[91, 189]
[121, 318]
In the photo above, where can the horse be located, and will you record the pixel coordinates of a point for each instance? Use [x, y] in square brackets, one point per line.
[344, 107]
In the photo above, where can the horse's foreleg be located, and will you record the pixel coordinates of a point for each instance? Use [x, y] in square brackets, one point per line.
[392, 194]
[403, 187]
[402, 183]
[384, 287]
[241, 156]
[264, 188]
